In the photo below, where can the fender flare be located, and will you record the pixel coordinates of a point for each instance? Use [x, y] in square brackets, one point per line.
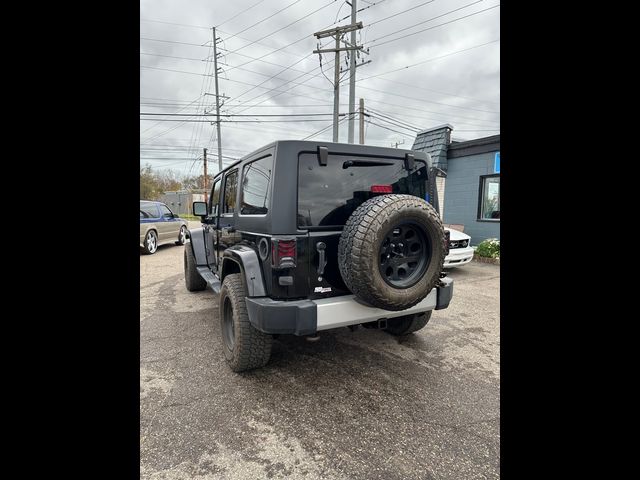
[249, 264]
[196, 243]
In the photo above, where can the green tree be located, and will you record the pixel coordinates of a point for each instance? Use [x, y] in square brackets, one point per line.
[197, 182]
[153, 183]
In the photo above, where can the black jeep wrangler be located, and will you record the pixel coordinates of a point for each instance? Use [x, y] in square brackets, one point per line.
[301, 236]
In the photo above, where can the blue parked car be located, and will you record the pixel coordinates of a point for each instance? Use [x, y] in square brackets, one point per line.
[159, 225]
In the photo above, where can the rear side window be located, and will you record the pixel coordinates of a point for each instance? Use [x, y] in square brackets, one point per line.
[149, 211]
[256, 180]
[230, 191]
[327, 196]
[164, 210]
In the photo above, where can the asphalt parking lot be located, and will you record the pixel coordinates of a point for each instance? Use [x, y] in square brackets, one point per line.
[357, 405]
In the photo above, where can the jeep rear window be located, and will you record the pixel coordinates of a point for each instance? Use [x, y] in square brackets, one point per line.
[328, 195]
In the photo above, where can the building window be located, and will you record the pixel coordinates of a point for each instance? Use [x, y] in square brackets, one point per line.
[489, 199]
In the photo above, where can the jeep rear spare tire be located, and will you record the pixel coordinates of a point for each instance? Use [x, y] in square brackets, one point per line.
[391, 251]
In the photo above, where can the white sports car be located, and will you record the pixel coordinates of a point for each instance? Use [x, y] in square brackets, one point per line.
[460, 251]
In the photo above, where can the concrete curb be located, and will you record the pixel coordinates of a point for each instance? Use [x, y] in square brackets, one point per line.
[478, 258]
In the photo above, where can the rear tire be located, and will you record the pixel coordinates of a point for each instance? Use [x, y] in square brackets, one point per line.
[407, 324]
[244, 347]
[192, 278]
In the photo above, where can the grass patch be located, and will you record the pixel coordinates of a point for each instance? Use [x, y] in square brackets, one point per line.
[188, 216]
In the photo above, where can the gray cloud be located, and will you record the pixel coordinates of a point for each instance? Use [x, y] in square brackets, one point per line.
[462, 89]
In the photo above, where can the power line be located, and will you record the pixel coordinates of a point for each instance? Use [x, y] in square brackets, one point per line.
[382, 114]
[265, 19]
[391, 129]
[429, 101]
[176, 71]
[237, 115]
[405, 114]
[165, 147]
[279, 49]
[287, 92]
[258, 60]
[171, 56]
[323, 129]
[234, 121]
[240, 13]
[435, 26]
[253, 86]
[366, 78]
[265, 128]
[431, 59]
[192, 102]
[206, 28]
[438, 91]
[421, 110]
[394, 124]
[485, 130]
[172, 23]
[257, 105]
[182, 158]
[175, 42]
[373, 76]
[286, 26]
[400, 13]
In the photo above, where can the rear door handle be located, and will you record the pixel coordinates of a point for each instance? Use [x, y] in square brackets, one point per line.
[322, 262]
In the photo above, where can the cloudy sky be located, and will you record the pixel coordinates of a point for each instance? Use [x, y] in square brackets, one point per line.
[269, 73]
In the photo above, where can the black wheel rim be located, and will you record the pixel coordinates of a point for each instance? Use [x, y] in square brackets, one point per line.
[404, 255]
[228, 329]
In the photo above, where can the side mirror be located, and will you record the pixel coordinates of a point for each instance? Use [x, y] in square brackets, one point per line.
[200, 209]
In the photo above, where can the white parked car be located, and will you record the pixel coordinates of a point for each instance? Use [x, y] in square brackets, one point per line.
[460, 251]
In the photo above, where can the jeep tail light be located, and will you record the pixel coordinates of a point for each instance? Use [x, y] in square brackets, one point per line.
[381, 189]
[447, 242]
[283, 253]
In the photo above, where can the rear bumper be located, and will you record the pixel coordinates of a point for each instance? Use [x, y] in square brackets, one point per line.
[306, 317]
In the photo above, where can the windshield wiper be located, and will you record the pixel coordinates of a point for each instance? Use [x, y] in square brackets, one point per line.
[364, 163]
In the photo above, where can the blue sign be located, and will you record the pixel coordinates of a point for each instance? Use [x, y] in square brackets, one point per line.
[496, 163]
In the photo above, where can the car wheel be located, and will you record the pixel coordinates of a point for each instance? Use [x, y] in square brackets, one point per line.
[192, 279]
[150, 242]
[407, 324]
[244, 346]
[391, 251]
[182, 235]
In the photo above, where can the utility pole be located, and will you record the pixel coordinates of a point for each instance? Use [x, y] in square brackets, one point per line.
[336, 91]
[215, 68]
[352, 76]
[337, 33]
[362, 121]
[398, 143]
[204, 155]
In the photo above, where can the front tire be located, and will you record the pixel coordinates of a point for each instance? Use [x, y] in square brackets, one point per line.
[244, 347]
[192, 278]
[407, 324]
[150, 242]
